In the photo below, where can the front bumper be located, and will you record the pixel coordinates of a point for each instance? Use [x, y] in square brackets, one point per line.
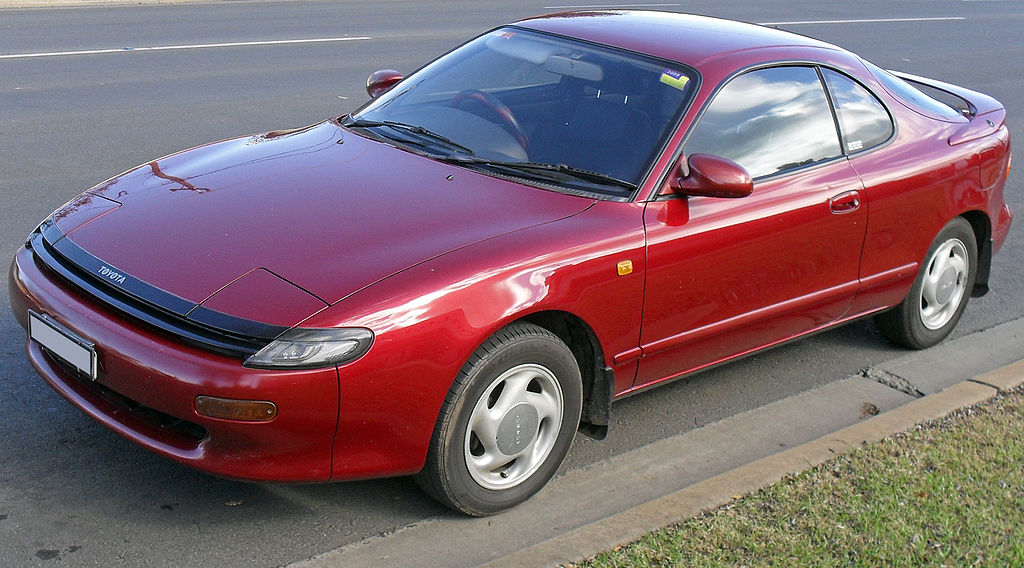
[148, 382]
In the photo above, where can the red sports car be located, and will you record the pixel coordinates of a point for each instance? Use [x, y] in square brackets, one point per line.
[456, 278]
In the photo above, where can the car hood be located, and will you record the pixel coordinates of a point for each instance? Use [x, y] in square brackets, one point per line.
[321, 208]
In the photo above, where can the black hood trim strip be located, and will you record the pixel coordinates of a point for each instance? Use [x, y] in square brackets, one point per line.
[117, 281]
[198, 326]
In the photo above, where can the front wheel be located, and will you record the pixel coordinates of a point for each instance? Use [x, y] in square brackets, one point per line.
[506, 424]
[939, 295]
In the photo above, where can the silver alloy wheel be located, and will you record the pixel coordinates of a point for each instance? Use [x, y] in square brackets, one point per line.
[513, 426]
[945, 284]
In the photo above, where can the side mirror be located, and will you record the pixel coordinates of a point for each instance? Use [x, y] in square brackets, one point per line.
[379, 82]
[704, 175]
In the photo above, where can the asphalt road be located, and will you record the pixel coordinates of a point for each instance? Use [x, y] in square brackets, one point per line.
[74, 494]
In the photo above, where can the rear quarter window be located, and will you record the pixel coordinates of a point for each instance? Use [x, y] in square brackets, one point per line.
[863, 121]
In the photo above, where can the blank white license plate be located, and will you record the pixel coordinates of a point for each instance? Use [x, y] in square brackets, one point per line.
[63, 343]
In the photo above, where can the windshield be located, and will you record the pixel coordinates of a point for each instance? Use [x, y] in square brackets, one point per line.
[538, 107]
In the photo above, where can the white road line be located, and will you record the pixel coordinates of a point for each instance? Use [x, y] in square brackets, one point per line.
[182, 47]
[363, 38]
[871, 21]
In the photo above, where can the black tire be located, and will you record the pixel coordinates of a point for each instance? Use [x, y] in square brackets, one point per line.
[523, 387]
[940, 292]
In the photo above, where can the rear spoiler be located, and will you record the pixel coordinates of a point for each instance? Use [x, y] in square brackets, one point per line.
[986, 114]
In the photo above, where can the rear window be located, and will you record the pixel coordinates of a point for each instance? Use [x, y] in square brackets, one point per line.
[912, 97]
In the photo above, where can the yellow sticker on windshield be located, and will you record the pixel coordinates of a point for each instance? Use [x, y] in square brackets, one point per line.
[674, 79]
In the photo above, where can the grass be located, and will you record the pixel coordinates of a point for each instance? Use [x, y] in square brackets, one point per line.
[948, 493]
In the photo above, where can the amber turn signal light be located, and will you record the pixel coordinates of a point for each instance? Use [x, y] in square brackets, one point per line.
[232, 409]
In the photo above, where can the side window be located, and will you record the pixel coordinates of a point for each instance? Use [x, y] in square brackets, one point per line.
[862, 118]
[768, 121]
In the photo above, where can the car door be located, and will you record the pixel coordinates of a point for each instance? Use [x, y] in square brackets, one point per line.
[727, 276]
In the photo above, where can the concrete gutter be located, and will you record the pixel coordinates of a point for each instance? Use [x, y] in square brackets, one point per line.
[617, 500]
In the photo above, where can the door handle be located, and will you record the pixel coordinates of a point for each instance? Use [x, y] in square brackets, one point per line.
[845, 202]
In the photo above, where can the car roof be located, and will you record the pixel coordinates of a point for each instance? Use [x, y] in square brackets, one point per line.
[686, 38]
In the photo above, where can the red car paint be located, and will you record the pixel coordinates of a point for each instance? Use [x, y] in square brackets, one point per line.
[323, 227]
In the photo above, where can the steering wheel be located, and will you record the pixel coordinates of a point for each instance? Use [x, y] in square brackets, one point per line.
[501, 109]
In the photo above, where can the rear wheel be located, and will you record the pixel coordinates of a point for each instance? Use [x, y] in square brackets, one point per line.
[939, 295]
[506, 424]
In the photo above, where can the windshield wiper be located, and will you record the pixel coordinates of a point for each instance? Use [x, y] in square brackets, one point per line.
[545, 171]
[412, 128]
[535, 170]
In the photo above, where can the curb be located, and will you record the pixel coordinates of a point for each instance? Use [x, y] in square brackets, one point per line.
[627, 526]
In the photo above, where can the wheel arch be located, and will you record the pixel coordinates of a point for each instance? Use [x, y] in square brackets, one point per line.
[598, 380]
[982, 227]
